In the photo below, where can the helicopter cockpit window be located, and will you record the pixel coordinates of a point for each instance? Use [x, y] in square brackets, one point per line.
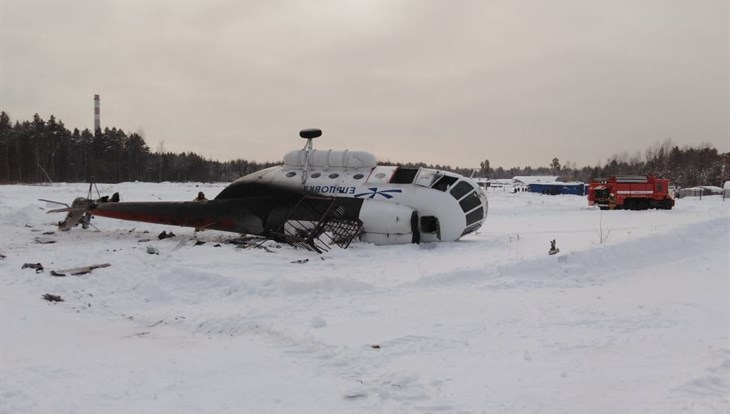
[404, 176]
[461, 189]
[474, 216]
[471, 229]
[444, 182]
[470, 202]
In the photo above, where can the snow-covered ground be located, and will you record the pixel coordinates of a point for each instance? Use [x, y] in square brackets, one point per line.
[632, 316]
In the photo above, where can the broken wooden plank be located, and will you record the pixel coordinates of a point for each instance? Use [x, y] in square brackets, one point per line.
[78, 270]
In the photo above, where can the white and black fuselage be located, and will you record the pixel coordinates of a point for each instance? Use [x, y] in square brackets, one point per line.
[395, 204]
[388, 204]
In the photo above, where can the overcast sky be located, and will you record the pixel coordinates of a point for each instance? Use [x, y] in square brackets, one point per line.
[453, 82]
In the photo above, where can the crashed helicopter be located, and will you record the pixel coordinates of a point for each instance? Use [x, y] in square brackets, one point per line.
[316, 199]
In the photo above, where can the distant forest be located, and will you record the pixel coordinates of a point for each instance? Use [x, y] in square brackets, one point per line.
[46, 151]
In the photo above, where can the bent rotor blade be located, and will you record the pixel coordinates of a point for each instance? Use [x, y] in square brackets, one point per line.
[53, 202]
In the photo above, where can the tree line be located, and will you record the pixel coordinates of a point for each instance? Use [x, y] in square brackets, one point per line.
[46, 151]
[687, 166]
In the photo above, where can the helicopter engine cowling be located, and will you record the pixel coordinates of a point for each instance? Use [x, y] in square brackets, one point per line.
[388, 223]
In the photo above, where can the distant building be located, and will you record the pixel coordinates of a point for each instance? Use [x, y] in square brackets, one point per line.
[700, 191]
[541, 184]
[533, 179]
[548, 184]
[574, 188]
[482, 182]
[499, 183]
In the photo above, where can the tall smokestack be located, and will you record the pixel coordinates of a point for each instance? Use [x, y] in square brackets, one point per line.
[97, 119]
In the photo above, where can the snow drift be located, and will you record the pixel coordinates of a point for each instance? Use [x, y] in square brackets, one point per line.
[632, 316]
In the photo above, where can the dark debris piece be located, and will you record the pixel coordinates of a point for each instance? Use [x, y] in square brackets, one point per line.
[165, 235]
[257, 242]
[37, 266]
[52, 298]
[301, 261]
[553, 249]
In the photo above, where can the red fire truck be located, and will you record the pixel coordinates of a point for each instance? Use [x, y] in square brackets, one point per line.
[631, 193]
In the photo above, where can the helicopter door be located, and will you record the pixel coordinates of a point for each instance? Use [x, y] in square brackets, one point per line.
[430, 229]
[404, 175]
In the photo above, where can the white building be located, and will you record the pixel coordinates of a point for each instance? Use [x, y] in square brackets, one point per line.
[533, 179]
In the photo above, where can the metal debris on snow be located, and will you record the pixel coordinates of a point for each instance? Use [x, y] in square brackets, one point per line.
[52, 298]
[37, 266]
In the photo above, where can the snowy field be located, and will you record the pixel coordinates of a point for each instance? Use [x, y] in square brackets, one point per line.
[632, 316]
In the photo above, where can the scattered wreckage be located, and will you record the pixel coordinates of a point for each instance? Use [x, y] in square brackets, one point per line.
[76, 271]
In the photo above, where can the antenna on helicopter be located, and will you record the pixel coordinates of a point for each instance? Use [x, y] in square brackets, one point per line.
[309, 134]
